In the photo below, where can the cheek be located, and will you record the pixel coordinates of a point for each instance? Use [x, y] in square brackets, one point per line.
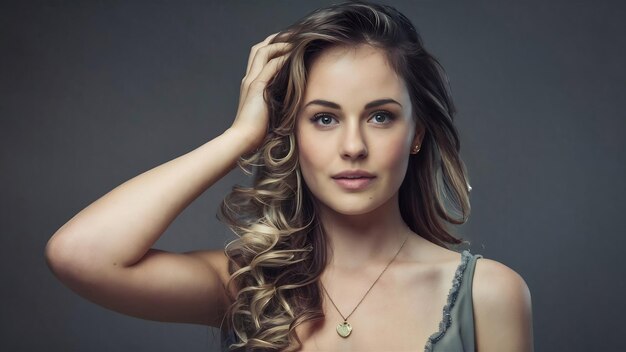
[394, 156]
[311, 156]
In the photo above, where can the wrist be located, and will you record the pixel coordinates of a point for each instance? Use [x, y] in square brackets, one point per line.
[245, 142]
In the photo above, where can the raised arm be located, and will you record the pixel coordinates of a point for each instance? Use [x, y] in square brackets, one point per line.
[104, 252]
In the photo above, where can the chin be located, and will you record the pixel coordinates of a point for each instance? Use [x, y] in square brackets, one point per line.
[351, 211]
[350, 207]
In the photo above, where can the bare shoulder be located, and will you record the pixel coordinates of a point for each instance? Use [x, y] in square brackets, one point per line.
[502, 303]
[492, 279]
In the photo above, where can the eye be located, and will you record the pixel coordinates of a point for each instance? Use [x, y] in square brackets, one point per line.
[323, 119]
[382, 117]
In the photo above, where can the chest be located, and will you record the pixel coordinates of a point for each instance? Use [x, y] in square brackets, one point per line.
[400, 312]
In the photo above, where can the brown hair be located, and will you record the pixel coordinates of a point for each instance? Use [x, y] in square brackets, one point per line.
[281, 250]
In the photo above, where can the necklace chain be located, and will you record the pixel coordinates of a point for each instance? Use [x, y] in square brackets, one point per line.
[345, 319]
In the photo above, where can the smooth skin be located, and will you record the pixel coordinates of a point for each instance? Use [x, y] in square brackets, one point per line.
[104, 252]
[344, 126]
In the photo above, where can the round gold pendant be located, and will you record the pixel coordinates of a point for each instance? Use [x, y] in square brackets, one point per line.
[344, 329]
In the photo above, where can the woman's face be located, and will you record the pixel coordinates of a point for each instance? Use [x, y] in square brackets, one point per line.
[356, 116]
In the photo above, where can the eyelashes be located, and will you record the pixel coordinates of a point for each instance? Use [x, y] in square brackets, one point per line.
[324, 118]
[380, 117]
[385, 114]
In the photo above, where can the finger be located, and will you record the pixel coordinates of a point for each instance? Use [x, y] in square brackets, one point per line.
[256, 47]
[281, 37]
[257, 86]
[263, 56]
[268, 72]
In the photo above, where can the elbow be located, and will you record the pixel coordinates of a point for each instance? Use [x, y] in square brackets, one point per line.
[67, 257]
[58, 256]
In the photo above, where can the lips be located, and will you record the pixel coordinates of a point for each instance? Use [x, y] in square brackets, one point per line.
[354, 179]
[352, 174]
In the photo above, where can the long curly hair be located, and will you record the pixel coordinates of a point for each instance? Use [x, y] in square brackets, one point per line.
[280, 250]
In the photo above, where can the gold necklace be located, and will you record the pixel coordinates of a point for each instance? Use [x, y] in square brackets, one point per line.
[344, 329]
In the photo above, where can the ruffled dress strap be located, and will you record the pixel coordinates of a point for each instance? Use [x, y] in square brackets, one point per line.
[456, 329]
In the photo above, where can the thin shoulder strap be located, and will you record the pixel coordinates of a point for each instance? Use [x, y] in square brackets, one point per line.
[458, 312]
[469, 271]
[465, 312]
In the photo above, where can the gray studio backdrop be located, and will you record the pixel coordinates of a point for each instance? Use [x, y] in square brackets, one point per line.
[96, 92]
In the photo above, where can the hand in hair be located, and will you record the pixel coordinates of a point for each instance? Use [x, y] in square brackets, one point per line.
[252, 114]
[105, 252]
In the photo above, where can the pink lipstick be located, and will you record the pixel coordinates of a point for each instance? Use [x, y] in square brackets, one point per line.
[354, 179]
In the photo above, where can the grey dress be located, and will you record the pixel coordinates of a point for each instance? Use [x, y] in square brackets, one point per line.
[456, 329]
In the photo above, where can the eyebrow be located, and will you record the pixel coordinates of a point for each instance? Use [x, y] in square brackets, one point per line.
[372, 104]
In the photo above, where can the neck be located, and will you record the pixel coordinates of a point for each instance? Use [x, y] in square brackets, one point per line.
[364, 239]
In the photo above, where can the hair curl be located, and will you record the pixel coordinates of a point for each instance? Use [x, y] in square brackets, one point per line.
[281, 250]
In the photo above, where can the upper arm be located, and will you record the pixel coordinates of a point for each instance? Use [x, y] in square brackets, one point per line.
[502, 309]
[163, 286]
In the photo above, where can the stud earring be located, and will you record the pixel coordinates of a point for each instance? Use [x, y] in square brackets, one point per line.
[415, 149]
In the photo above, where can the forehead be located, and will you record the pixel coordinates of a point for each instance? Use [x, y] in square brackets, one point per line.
[359, 74]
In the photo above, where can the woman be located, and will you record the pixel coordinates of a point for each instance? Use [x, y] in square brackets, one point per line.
[346, 122]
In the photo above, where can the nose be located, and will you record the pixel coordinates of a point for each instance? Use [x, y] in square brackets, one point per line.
[353, 145]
